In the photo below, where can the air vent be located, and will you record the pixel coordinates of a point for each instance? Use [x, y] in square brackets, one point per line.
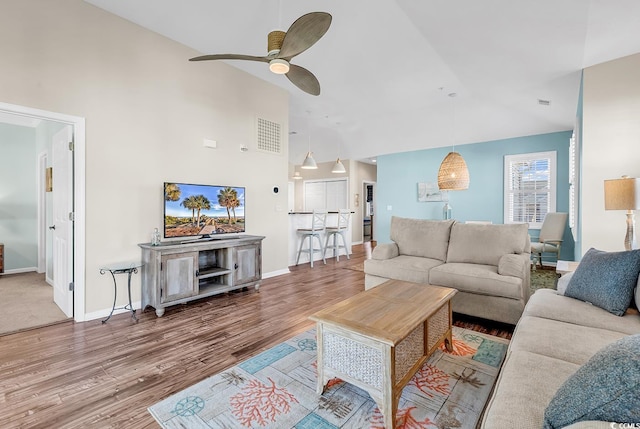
[543, 102]
[268, 136]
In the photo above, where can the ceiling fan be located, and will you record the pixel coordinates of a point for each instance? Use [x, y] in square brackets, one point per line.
[283, 46]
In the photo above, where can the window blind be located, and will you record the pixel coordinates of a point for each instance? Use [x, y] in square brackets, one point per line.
[530, 187]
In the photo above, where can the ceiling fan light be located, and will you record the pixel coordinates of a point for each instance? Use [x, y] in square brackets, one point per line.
[279, 66]
[309, 163]
[453, 174]
[338, 167]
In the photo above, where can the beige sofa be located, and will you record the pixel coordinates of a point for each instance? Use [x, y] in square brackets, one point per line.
[487, 264]
[555, 336]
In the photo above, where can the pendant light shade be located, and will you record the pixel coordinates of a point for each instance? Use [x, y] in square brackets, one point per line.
[453, 174]
[338, 167]
[309, 163]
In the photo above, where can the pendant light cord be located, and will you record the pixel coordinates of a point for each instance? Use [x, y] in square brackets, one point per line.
[453, 121]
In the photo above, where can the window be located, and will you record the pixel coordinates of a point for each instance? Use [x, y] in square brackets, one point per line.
[529, 187]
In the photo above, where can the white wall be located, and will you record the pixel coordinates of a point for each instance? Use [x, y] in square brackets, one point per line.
[147, 110]
[611, 146]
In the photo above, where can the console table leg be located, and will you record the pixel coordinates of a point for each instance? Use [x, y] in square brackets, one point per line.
[115, 295]
[133, 311]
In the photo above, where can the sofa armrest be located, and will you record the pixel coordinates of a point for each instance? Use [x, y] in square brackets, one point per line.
[513, 265]
[517, 265]
[385, 251]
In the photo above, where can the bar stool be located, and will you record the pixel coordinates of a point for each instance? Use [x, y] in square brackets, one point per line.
[339, 231]
[318, 224]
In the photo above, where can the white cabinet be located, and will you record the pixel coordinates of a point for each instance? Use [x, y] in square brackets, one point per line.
[175, 273]
[325, 194]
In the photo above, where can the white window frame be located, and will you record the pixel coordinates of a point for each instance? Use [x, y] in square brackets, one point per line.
[574, 181]
[551, 190]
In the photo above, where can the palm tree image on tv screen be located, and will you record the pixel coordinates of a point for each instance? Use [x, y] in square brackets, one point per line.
[191, 210]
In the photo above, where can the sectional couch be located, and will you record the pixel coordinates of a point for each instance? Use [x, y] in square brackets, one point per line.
[555, 337]
[488, 264]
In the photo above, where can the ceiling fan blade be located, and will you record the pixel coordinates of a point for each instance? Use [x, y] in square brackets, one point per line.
[303, 33]
[303, 79]
[230, 57]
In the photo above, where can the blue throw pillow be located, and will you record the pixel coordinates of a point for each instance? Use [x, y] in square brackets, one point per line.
[605, 388]
[606, 279]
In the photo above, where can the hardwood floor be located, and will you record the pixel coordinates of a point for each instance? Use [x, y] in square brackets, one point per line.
[79, 375]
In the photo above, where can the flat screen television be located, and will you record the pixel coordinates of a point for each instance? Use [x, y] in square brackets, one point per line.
[202, 210]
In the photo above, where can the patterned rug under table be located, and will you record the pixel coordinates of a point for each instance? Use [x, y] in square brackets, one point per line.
[276, 389]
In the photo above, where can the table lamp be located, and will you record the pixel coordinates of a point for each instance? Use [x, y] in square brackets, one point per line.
[624, 194]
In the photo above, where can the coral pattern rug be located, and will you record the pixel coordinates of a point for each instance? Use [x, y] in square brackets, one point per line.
[276, 389]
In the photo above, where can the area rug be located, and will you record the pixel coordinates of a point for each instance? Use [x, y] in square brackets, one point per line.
[543, 278]
[277, 389]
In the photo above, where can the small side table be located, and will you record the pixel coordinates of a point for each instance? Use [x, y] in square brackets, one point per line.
[128, 268]
[564, 267]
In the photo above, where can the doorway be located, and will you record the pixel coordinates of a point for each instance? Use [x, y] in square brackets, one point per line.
[368, 222]
[67, 206]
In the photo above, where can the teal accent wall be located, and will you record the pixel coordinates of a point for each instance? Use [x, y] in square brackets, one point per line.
[18, 197]
[400, 173]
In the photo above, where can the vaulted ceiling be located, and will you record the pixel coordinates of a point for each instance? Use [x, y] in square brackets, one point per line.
[386, 67]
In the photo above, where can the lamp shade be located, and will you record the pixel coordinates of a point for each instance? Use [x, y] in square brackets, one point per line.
[622, 194]
[309, 163]
[338, 167]
[453, 174]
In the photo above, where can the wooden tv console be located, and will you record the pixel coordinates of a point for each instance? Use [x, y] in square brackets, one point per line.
[175, 272]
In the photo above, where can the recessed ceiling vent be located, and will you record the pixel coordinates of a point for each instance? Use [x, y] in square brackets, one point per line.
[543, 102]
[269, 136]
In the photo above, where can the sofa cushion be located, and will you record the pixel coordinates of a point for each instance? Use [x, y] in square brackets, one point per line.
[475, 278]
[408, 268]
[606, 279]
[604, 388]
[485, 244]
[420, 237]
[561, 340]
[520, 398]
[563, 282]
[549, 304]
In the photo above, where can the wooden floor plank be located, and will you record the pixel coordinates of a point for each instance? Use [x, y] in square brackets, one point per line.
[78, 375]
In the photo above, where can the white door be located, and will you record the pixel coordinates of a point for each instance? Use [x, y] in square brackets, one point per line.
[62, 228]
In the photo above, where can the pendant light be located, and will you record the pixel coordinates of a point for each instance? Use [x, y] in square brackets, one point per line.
[309, 163]
[453, 174]
[338, 167]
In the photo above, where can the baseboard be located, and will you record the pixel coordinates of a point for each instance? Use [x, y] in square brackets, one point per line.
[20, 271]
[102, 314]
[276, 273]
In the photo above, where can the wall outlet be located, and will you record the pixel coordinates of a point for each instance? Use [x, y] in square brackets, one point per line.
[212, 144]
[389, 208]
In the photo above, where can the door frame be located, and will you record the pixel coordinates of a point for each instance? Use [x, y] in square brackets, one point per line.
[78, 171]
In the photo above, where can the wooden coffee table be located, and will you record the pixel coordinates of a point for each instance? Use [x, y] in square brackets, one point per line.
[378, 339]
